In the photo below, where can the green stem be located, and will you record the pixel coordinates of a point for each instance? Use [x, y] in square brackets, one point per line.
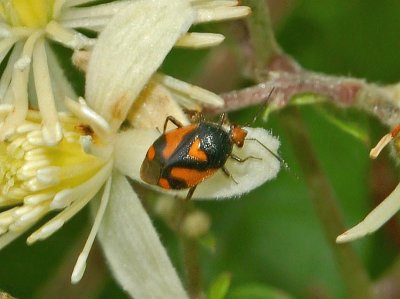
[354, 274]
[192, 267]
[262, 37]
[191, 260]
[322, 196]
[190, 247]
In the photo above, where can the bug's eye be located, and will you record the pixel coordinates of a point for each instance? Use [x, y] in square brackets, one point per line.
[238, 135]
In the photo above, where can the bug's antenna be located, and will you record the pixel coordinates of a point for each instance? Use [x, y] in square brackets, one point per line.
[261, 109]
[276, 156]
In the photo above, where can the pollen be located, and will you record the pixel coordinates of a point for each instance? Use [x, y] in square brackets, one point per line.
[36, 178]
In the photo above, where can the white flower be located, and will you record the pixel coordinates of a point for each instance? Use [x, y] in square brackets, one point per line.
[385, 210]
[93, 153]
[26, 26]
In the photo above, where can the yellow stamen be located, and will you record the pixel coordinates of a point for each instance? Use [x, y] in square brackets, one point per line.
[36, 177]
[27, 13]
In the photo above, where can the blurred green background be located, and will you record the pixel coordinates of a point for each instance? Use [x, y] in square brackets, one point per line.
[270, 238]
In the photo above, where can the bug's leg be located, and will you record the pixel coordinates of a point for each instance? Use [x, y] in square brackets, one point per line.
[241, 160]
[228, 174]
[222, 119]
[190, 193]
[173, 120]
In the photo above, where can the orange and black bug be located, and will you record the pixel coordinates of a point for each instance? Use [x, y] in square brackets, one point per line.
[184, 157]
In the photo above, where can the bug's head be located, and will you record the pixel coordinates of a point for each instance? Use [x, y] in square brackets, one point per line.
[238, 135]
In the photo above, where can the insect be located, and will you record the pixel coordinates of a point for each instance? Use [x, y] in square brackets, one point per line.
[184, 157]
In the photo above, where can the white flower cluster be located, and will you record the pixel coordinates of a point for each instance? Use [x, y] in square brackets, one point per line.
[57, 153]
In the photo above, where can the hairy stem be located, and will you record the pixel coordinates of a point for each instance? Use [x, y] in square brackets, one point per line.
[345, 92]
[263, 43]
[354, 275]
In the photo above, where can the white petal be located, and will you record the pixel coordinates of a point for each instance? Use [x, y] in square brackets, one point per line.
[52, 132]
[92, 17]
[5, 46]
[19, 87]
[10, 236]
[187, 90]
[91, 12]
[68, 37]
[87, 115]
[199, 40]
[129, 50]
[221, 13]
[131, 147]
[154, 104]
[374, 220]
[80, 265]
[60, 84]
[133, 249]
[214, 3]
[58, 7]
[96, 24]
[7, 73]
[70, 3]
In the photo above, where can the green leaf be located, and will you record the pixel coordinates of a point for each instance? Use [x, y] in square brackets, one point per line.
[219, 288]
[297, 100]
[347, 126]
[257, 291]
[307, 99]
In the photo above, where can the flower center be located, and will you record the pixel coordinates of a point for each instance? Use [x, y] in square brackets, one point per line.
[33, 174]
[27, 13]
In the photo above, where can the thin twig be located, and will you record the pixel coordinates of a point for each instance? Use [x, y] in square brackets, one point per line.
[379, 101]
[261, 34]
[343, 91]
[287, 84]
